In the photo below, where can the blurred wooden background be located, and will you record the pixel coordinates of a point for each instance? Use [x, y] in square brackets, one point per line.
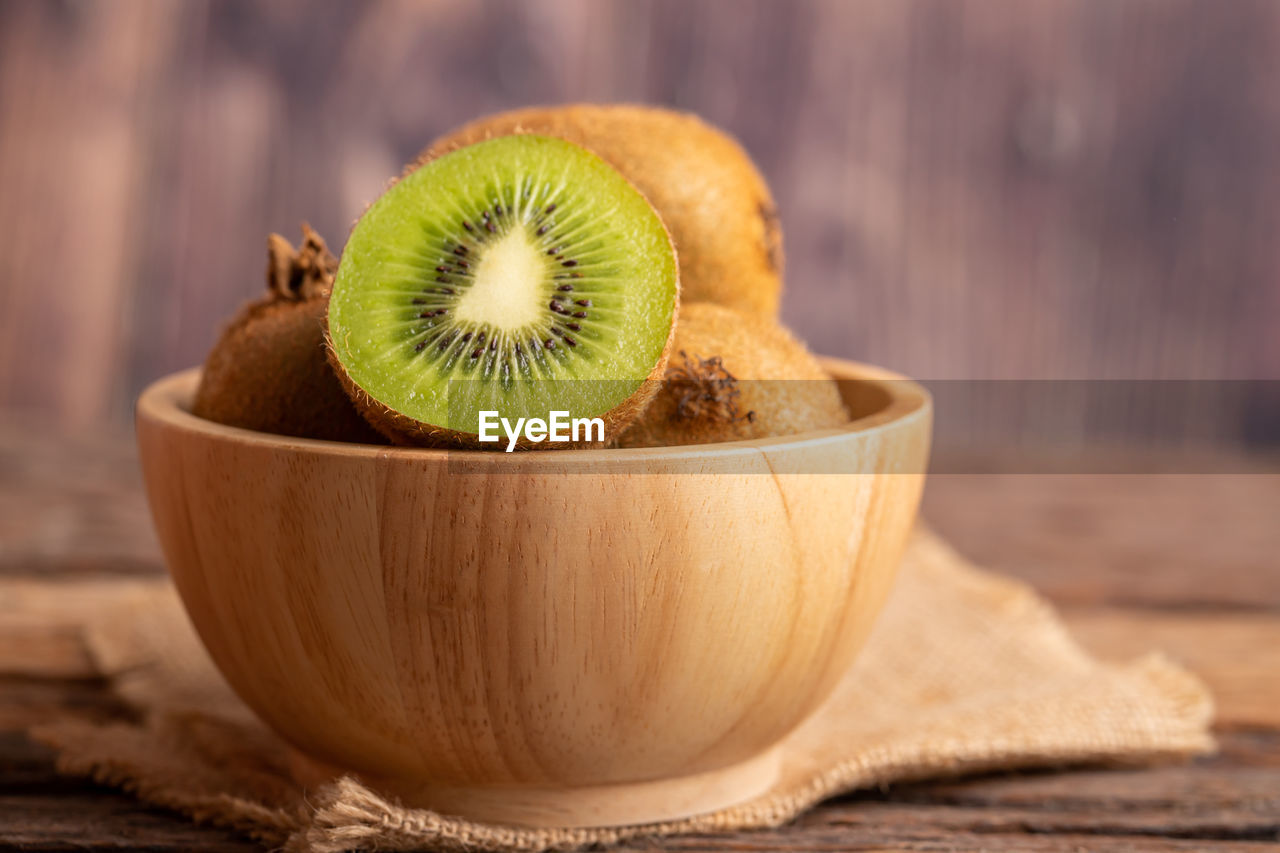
[969, 188]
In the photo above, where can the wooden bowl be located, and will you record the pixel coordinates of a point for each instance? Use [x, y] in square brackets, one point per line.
[582, 637]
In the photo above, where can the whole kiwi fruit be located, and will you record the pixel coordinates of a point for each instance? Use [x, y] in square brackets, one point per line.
[703, 184]
[736, 376]
[268, 370]
[520, 276]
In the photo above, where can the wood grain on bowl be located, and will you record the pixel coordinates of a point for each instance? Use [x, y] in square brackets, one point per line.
[504, 634]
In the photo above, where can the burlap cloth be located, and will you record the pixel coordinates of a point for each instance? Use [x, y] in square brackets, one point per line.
[964, 672]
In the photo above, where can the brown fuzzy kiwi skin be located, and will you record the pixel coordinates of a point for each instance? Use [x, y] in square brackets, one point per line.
[400, 429]
[710, 393]
[268, 370]
[705, 187]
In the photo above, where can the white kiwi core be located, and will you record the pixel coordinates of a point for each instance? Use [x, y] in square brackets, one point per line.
[501, 296]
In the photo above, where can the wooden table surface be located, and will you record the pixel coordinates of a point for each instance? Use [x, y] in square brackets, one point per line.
[1185, 563]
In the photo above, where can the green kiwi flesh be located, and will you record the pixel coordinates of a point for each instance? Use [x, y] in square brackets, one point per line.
[522, 275]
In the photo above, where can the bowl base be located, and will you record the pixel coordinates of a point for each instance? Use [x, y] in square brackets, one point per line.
[602, 805]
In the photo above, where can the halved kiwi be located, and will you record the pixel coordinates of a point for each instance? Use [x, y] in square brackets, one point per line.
[521, 275]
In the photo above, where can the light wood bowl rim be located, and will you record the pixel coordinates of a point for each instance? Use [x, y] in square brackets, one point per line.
[167, 401]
